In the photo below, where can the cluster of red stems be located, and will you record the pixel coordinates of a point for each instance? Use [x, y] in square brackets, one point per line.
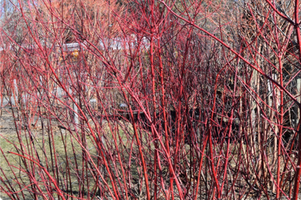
[209, 92]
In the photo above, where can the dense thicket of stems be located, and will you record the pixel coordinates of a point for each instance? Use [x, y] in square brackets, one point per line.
[150, 99]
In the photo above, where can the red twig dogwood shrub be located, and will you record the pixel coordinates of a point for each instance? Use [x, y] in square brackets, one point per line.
[151, 100]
